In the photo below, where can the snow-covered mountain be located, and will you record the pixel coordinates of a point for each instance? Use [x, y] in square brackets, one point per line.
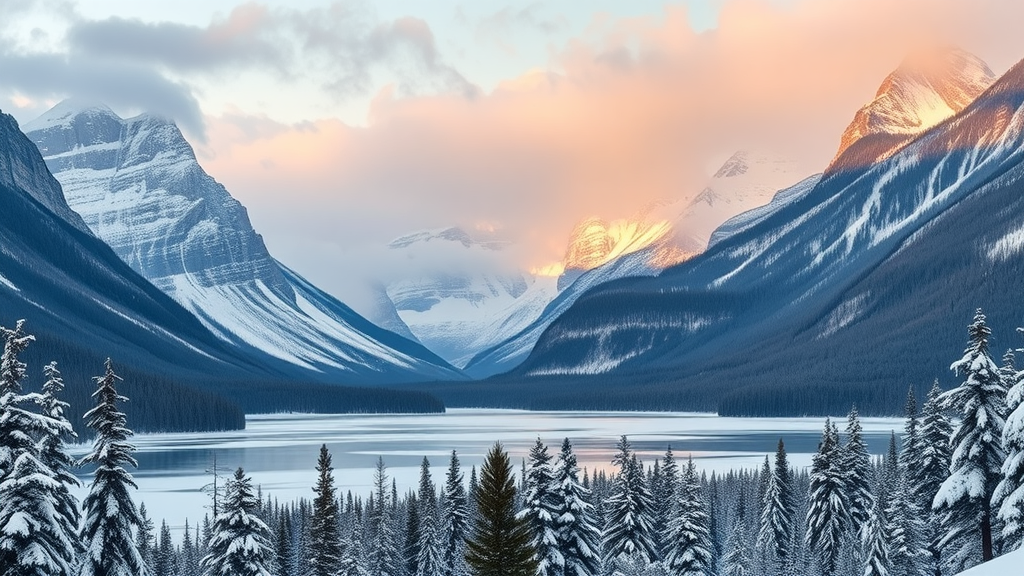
[458, 296]
[137, 185]
[662, 235]
[84, 304]
[927, 88]
[791, 305]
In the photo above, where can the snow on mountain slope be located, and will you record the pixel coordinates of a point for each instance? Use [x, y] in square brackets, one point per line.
[678, 229]
[457, 297]
[506, 354]
[926, 89]
[81, 301]
[794, 275]
[752, 217]
[137, 185]
[660, 236]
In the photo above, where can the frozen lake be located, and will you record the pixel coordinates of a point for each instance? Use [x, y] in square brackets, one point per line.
[279, 451]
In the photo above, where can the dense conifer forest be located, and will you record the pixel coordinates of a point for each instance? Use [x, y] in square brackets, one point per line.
[946, 495]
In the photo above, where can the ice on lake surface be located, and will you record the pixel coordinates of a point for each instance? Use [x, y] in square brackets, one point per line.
[279, 451]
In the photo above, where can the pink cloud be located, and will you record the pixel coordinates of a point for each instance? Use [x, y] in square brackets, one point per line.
[635, 110]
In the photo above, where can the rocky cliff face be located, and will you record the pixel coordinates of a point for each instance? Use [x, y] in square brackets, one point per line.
[138, 186]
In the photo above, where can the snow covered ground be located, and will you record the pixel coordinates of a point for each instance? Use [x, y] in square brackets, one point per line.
[279, 451]
[1006, 565]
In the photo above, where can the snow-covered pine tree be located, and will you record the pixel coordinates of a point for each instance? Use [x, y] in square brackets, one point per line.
[890, 470]
[456, 520]
[189, 564]
[910, 451]
[628, 531]
[540, 510]
[736, 559]
[828, 506]
[429, 562]
[285, 547]
[164, 565]
[241, 544]
[857, 464]
[906, 547]
[964, 499]
[692, 552]
[499, 544]
[578, 536]
[877, 533]
[38, 514]
[1009, 495]
[111, 517]
[384, 557]
[664, 492]
[411, 548]
[324, 548]
[145, 537]
[932, 469]
[54, 455]
[775, 535]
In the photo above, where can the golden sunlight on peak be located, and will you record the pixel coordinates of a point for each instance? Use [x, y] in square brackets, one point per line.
[552, 270]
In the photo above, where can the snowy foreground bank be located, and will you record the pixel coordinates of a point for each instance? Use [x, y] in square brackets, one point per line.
[1007, 565]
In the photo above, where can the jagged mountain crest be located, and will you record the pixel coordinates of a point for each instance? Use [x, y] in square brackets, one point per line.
[927, 88]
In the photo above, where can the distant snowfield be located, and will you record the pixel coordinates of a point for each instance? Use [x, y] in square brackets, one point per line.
[279, 451]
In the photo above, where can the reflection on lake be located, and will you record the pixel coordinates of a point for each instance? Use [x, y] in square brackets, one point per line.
[279, 451]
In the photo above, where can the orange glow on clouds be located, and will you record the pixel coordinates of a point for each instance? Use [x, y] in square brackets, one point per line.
[630, 113]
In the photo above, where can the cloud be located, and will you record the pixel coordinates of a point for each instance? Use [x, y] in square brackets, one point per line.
[248, 36]
[47, 76]
[165, 67]
[635, 110]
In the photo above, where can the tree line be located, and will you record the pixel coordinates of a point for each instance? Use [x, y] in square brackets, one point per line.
[946, 495]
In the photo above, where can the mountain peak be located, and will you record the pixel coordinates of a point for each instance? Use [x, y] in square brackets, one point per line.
[67, 110]
[736, 164]
[449, 234]
[928, 87]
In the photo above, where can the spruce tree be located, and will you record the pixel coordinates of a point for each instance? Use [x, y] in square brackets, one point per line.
[411, 550]
[241, 544]
[540, 510]
[1008, 498]
[628, 531]
[499, 544]
[456, 520]
[910, 452]
[577, 534]
[857, 464]
[736, 560]
[877, 533]
[906, 546]
[664, 492]
[190, 558]
[145, 537]
[285, 548]
[932, 469]
[164, 565]
[429, 561]
[54, 455]
[324, 538]
[964, 499]
[775, 535]
[828, 507]
[111, 518]
[38, 514]
[384, 557]
[692, 552]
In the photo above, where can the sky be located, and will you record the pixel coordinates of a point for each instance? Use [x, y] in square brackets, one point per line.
[342, 125]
